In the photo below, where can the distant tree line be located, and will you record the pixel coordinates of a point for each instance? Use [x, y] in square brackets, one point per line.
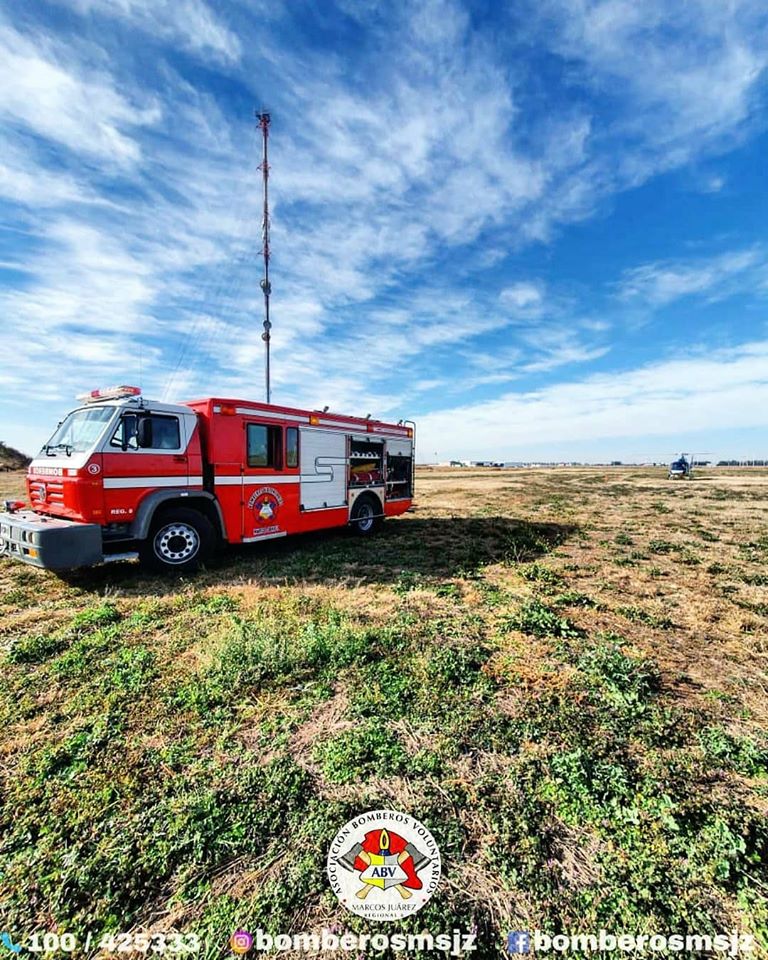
[11, 459]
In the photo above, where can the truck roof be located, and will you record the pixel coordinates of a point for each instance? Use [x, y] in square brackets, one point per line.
[138, 402]
[315, 417]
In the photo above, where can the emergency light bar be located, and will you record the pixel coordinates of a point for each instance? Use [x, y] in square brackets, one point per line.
[109, 393]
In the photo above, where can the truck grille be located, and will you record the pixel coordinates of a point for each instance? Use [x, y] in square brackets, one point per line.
[51, 490]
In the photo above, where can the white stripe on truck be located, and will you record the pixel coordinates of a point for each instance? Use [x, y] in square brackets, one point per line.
[124, 483]
[237, 481]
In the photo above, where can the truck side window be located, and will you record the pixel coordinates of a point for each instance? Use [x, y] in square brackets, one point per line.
[160, 433]
[125, 435]
[264, 446]
[152, 432]
[292, 447]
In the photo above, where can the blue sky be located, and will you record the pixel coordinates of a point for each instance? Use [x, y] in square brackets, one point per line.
[537, 228]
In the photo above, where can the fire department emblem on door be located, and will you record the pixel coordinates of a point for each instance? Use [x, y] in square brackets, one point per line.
[265, 504]
[384, 865]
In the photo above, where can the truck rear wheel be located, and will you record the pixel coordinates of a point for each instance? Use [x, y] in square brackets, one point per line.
[366, 515]
[179, 541]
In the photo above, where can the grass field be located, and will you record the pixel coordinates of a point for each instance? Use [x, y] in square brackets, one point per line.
[562, 673]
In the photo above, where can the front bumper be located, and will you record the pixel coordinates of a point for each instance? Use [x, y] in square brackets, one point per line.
[49, 542]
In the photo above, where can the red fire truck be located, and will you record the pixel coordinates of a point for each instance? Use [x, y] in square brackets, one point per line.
[125, 477]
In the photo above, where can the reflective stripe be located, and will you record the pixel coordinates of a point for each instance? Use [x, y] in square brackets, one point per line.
[321, 420]
[236, 481]
[304, 478]
[268, 414]
[338, 423]
[393, 431]
[122, 483]
[352, 430]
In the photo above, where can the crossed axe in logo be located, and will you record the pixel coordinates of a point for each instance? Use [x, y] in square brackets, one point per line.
[356, 850]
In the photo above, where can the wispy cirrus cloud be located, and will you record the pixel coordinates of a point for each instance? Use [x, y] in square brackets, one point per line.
[676, 398]
[44, 91]
[189, 23]
[415, 157]
[717, 277]
[676, 83]
[685, 72]
[523, 295]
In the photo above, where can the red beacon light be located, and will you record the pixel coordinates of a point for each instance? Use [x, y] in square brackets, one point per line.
[109, 393]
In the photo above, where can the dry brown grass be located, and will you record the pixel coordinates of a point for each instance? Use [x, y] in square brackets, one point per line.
[716, 644]
[719, 638]
[674, 570]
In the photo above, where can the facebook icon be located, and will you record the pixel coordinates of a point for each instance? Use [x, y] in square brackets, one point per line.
[519, 941]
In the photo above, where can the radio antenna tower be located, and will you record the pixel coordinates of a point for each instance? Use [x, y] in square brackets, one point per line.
[266, 286]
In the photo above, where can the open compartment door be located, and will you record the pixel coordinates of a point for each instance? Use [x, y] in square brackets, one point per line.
[323, 456]
[399, 469]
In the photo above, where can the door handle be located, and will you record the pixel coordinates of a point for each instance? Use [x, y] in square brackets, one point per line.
[179, 459]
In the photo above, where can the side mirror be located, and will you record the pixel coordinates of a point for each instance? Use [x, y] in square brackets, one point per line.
[144, 432]
[127, 432]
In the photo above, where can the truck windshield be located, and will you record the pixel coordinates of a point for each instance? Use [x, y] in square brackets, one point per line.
[79, 431]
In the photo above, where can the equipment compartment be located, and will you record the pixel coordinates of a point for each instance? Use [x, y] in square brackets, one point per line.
[366, 462]
[399, 469]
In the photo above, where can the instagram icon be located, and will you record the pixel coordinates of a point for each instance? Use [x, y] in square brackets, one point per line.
[241, 942]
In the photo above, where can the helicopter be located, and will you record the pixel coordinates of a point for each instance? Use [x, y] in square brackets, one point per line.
[682, 468]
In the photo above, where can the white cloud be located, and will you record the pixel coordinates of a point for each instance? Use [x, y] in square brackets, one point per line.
[191, 23]
[713, 183]
[689, 69]
[85, 278]
[672, 398]
[676, 82]
[25, 179]
[564, 355]
[662, 282]
[383, 171]
[42, 92]
[521, 295]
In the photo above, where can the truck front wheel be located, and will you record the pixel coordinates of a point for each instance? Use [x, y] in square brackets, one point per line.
[179, 541]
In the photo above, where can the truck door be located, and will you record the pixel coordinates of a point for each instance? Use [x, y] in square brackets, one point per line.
[323, 455]
[147, 451]
[269, 481]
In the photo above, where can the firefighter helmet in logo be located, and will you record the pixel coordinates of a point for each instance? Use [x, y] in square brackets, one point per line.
[384, 865]
[265, 503]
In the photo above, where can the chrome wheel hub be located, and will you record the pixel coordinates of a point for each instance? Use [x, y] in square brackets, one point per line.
[176, 543]
[365, 517]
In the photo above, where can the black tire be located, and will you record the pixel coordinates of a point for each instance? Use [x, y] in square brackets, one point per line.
[366, 515]
[179, 541]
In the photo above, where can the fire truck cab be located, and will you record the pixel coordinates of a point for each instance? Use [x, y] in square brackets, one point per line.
[125, 477]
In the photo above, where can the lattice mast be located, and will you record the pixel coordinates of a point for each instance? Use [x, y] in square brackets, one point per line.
[264, 121]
